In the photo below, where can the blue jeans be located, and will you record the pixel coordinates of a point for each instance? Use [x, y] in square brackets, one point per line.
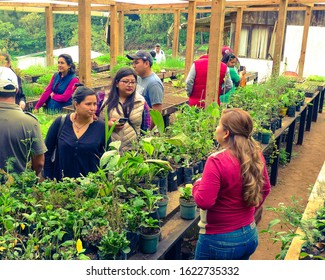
[56, 107]
[236, 245]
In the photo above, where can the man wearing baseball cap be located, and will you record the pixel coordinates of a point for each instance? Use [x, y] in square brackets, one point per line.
[149, 84]
[20, 134]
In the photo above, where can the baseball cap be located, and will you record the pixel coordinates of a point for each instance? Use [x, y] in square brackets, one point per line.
[226, 49]
[157, 45]
[145, 56]
[7, 87]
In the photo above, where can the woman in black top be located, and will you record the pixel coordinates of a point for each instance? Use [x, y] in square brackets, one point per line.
[81, 141]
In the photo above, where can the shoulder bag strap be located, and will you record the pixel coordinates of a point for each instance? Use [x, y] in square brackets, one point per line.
[61, 126]
[53, 156]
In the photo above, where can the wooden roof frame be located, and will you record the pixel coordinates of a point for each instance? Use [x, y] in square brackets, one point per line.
[217, 8]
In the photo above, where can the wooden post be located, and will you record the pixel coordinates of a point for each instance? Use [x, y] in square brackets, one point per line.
[84, 31]
[279, 38]
[121, 33]
[239, 20]
[301, 63]
[113, 34]
[177, 20]
[49, 35]
[190, 36]
[216, 41]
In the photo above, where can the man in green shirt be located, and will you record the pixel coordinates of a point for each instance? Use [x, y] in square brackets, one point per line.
[20, 134]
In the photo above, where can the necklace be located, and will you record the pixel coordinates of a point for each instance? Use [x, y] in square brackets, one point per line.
[79, 127]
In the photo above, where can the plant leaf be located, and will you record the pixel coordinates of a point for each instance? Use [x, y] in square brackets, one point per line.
[158, 120]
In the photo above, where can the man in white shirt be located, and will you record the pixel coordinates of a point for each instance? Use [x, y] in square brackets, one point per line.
[160, 55]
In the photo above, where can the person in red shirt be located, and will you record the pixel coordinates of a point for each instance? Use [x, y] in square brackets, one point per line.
[234, 185]
[196, 81]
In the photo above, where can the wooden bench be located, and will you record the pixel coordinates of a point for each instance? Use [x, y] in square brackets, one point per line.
[173, 230]
[305, 119]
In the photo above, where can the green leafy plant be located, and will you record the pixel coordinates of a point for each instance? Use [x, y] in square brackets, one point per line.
[283, 157]
[113, 244]
[289, 218]
[149, 225]
[186, 192]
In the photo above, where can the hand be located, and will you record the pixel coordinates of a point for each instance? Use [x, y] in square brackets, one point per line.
[243, 72]
[52, 94]
[113, 121]
[35, 111]
[22, 105]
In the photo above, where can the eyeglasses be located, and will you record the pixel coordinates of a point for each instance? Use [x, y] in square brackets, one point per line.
[126, 82]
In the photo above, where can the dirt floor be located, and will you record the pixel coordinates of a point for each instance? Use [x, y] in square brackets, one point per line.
[295, 179]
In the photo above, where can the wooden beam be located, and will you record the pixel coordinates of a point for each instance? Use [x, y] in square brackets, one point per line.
[99, 10]
[177, 21]
[190, 36]
[121, 33]
[130, 7]
[279, 38]
[84, 41]
[301, 63]
[113, 36]
[239, 20]
[215, 45]
[49, 35]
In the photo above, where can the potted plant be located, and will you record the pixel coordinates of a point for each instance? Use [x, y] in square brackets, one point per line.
[133, 214]
[113, 245]
[162, 206]
[266, 135]
[149, 235]
[186, 202]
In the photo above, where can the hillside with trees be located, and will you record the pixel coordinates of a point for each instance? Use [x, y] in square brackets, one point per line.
[25, 33]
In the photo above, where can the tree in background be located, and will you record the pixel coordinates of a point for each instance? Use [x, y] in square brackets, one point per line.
[31, 27]
[6, 36]
[24, 33]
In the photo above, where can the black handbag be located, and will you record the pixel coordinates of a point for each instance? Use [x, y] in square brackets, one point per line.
[53, 156]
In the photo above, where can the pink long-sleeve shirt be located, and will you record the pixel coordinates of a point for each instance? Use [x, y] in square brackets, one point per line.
[219, 195]
[57, 97]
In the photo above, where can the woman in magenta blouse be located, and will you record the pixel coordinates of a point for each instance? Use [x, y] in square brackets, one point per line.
[234, 185]
[58, 93]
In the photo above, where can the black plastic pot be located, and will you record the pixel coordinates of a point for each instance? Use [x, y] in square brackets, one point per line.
[172, 181]
[134, 238]
[163, 185]
[280, 122]
[298, 107]
[180, 175]
[291, 111]
[188, 174]
[255, 136]
[201, 166]
[197, 166]
[273, 125]
[155, 181]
